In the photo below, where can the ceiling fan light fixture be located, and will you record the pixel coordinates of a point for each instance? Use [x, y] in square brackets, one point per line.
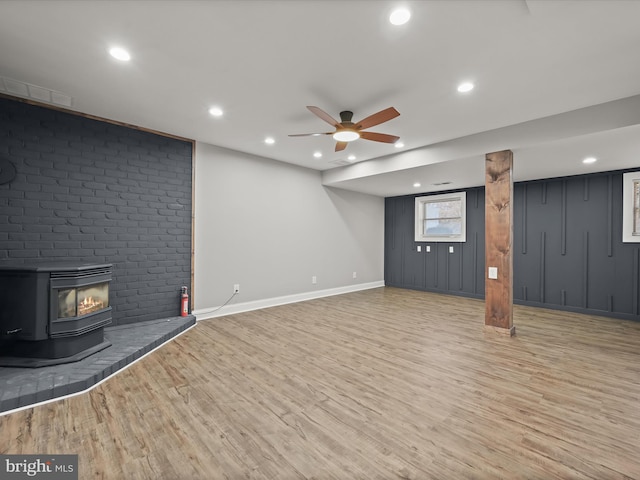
[346, 136]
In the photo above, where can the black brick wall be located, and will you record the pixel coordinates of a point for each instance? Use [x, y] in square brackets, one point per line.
[91, 191]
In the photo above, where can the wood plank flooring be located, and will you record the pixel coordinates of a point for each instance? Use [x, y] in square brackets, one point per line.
[379, 384]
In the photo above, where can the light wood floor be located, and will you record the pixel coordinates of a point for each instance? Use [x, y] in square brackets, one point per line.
[379, 384]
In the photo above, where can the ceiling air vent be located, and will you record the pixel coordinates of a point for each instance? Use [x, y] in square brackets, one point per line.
[340, 163]
[41, 94]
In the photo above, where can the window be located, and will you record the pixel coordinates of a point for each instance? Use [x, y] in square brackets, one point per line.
[636, 207]
[441, 218]
[631, 207]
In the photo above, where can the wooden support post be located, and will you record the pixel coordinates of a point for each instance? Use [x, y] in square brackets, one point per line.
[498, 242]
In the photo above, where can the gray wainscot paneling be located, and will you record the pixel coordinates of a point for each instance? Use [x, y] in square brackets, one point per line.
[434, 268]
[568, 249]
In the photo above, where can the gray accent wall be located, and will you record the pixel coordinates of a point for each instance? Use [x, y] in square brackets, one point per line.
[437, 270]
[90, 191]
[567, 247]
[271, 226]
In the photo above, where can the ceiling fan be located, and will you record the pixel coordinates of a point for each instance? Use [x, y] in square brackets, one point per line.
[347, 131]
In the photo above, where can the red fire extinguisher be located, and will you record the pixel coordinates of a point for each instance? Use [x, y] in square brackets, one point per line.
[184, 302]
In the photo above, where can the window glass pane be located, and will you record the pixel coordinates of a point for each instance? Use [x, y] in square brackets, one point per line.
[636, 207]
[451, 226]
[452, 208]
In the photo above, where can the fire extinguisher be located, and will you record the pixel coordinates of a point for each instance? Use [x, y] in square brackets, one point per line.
[184, 302]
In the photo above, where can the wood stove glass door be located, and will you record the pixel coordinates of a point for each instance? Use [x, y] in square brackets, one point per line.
[76, 302]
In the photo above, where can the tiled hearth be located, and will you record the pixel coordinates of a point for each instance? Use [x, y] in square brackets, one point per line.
[20, 387]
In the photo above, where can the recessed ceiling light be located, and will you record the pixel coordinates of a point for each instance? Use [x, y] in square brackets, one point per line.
[398, 144]
[120, 54]
[417, 184]
[465, 87]
[590, 160]
[317, 154]
[269, 140]
[400, 16]
[351, 158]
[215, 111]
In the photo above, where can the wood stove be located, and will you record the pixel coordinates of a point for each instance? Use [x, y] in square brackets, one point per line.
[52, 313]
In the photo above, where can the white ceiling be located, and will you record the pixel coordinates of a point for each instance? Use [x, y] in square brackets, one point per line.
[264, 61]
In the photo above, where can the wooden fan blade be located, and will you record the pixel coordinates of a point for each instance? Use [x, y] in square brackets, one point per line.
[310, 134]
[341, 146]
[377, 118]
[379, 137]
[324, 116]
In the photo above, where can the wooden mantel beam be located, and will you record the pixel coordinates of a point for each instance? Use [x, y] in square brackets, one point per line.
[498, 242]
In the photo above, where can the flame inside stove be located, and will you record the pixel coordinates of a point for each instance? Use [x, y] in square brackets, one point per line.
[88, 305]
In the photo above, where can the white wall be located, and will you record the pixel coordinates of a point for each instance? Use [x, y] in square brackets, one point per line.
[270, 227]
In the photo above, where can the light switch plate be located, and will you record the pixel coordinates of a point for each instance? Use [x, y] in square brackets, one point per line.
[493, 273]
[419, 248]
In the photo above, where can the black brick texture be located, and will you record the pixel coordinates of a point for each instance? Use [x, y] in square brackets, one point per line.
[92, 191]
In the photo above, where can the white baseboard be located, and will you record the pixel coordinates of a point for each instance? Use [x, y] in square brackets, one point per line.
[205, 313]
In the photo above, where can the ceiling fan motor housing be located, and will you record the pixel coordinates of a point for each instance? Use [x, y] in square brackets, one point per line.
[345, 118]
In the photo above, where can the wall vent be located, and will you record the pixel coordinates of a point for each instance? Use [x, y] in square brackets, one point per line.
[27, 90]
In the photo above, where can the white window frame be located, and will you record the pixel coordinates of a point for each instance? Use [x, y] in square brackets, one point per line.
[629, 202]
[420, 209]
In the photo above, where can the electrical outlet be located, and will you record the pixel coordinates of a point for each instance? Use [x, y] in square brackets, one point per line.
[355, 274]
[236, 288]
[314, 280]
